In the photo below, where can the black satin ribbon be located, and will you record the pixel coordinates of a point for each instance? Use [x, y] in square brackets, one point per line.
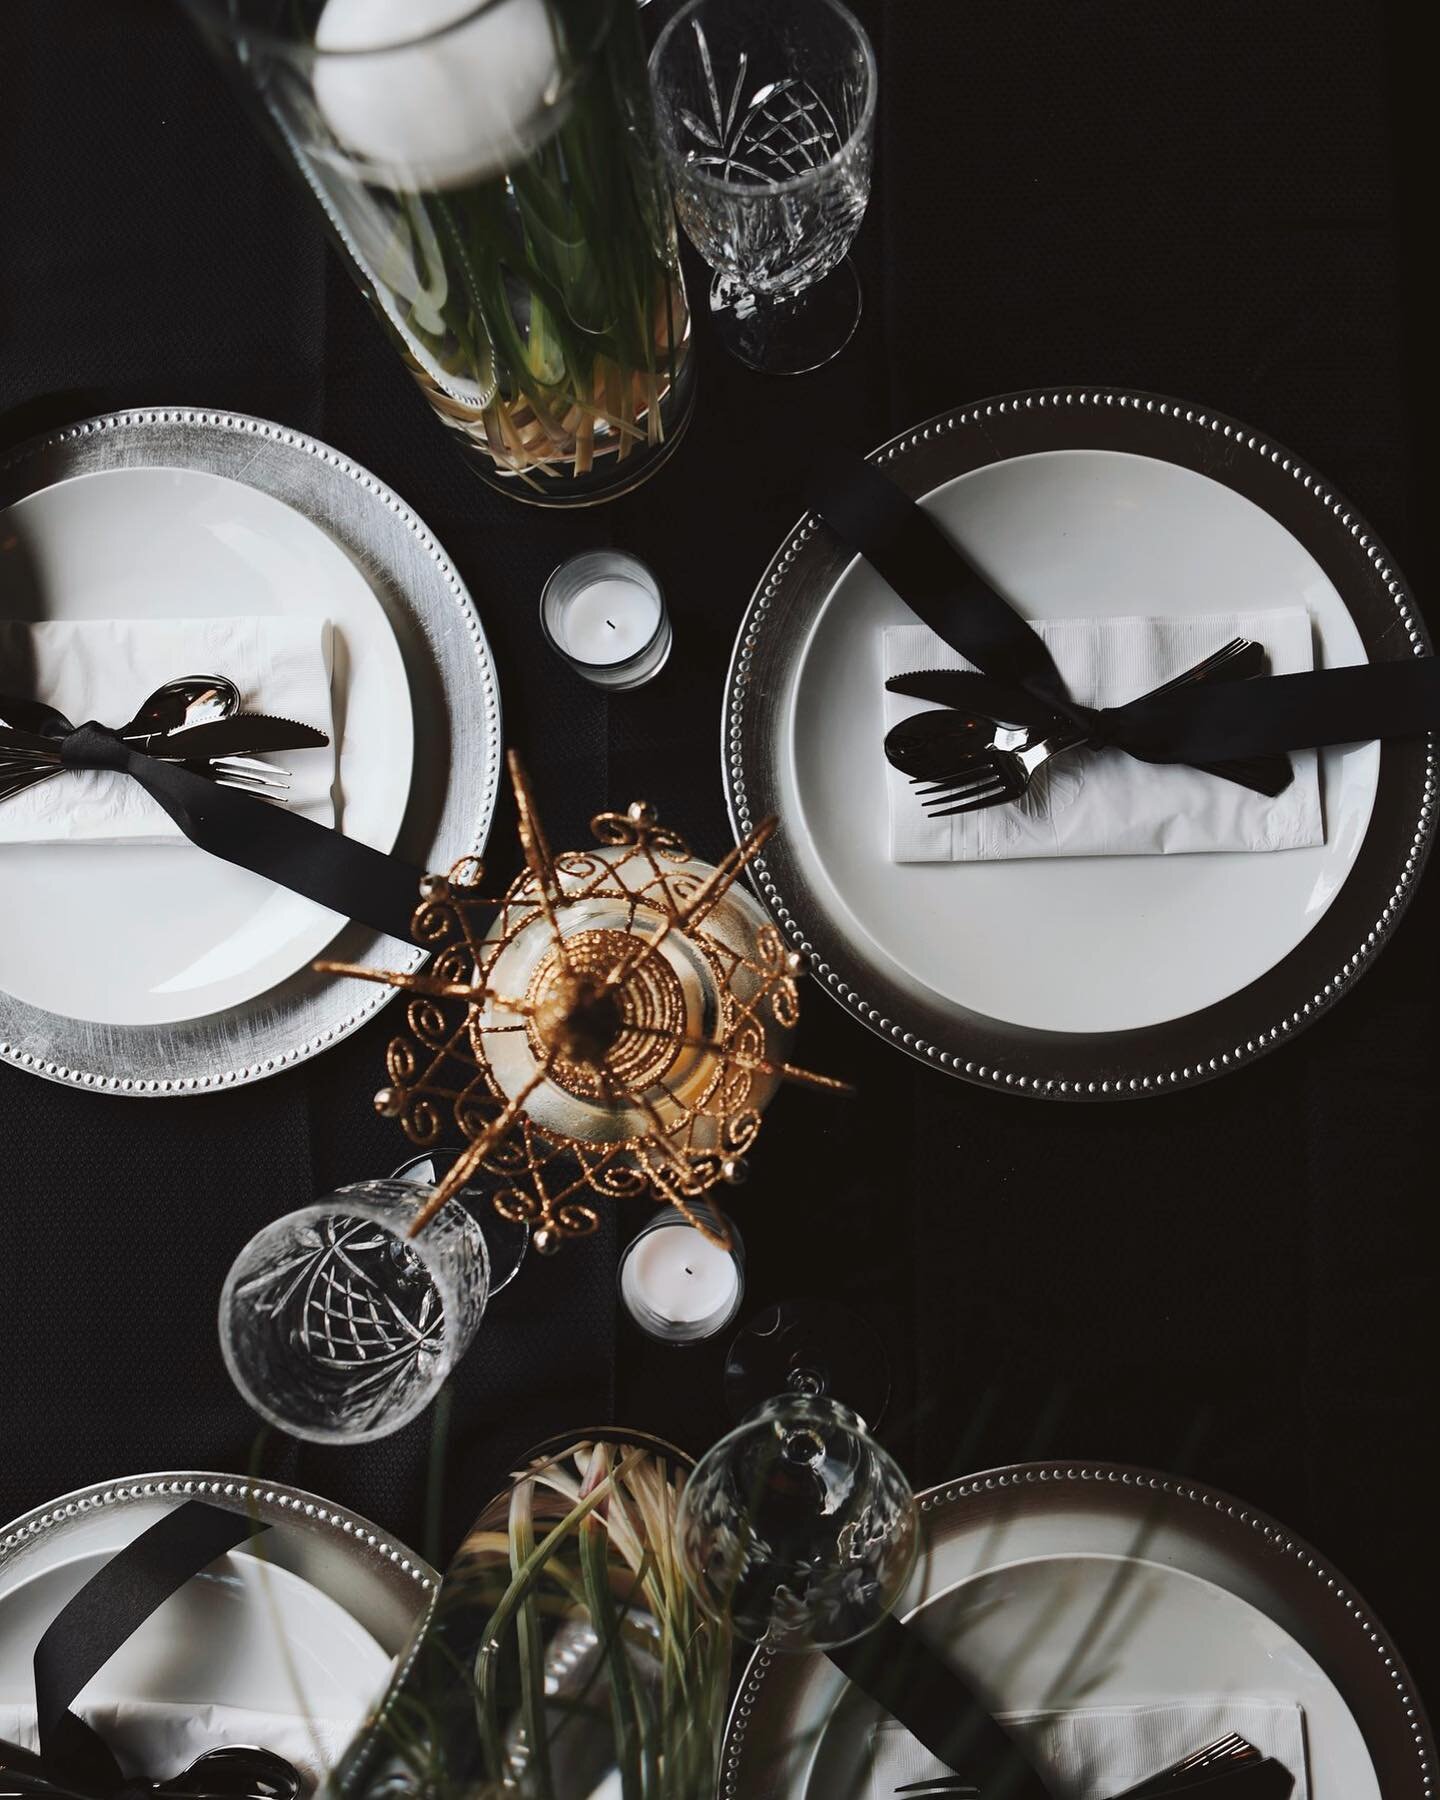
[901, 1672]
[298, 853]
[1278, 712]
[74, 1761]
[1196, 724]
[898, 1670]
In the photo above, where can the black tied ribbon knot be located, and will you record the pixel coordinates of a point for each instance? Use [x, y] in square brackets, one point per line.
[349, 877]
[1199, 724]
[95, 746]
[74, 1762]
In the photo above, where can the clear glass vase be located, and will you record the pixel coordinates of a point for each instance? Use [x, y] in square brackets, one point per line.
[492, 175]
[564, 1657]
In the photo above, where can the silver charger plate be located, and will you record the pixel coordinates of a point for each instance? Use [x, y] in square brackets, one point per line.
[385, 1587]
[1166, 970]
[456, 701]
[1009, 1537]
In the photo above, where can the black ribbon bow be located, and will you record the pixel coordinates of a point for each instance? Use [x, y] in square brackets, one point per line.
[1197, 724]
[296, 852]
[74, 1762]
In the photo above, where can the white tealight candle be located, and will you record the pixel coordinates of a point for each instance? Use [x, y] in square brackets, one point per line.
[677, 1285]
[609, 621]
[438, 93]
[604, 612]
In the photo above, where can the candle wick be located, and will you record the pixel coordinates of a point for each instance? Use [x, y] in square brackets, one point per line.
[688, 1269]
[610, 623]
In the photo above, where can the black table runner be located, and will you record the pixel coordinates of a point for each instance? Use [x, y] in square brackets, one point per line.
[1199, 201]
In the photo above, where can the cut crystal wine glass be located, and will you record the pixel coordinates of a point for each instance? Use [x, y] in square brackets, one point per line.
[798, 1526]
[338, 1326]
[767, 115]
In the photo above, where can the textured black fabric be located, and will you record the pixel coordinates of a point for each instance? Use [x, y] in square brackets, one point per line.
[1204, 200]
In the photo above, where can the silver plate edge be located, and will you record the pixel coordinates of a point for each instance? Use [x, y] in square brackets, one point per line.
[1273, 1539]
[303, 1015]
[408, 1582]
[888, 1010]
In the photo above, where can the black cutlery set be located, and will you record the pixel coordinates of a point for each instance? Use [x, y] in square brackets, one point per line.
[194, 722]
[992, 739]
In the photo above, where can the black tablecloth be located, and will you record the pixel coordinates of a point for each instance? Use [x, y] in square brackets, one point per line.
[1217, 201]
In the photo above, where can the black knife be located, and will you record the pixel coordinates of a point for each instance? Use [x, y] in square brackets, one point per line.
[967, 690]
[237, 735]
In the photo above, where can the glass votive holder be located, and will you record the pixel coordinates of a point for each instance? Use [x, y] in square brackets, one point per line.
[676, 1285]
[603, 613]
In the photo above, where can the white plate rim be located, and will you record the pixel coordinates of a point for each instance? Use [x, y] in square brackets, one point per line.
[438, 623]
[1060, 1066]
[1393, 1722]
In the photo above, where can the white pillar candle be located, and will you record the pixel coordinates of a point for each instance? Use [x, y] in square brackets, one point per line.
[604, 612]
[677, 1285]
[438, 94]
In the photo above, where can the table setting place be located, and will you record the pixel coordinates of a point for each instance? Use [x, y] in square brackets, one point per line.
[1076, 741]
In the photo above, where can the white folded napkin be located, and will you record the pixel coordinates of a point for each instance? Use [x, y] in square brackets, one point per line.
[160, 1738]
[104, 668]
[1104, 803]
[1097, 1753]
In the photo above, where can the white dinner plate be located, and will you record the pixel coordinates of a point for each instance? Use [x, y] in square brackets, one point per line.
[1057, 945]
[152, 934]
[1056, 1586]
[303, 1625]
[1085, 976]
[1151, 1635]
[156, 971]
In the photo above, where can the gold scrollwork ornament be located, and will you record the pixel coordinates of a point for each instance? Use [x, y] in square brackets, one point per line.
[614, 1022]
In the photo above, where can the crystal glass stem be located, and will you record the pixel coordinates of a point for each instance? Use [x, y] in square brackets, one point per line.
[787, 334]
